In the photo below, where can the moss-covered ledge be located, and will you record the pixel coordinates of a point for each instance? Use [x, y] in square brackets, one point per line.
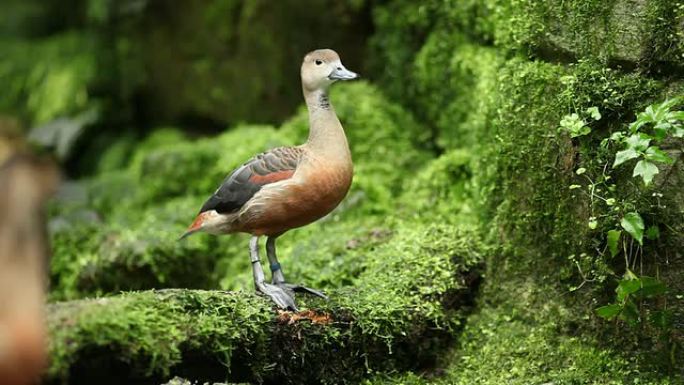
[412, 294]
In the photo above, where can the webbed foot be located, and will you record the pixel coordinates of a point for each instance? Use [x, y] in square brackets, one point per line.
[280, 295]
[301, 289]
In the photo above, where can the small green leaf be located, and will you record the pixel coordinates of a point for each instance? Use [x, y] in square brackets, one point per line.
[594, 113]
[652, 233]
[661, 130]
[646, 170]
[638, 142]
[624, 155]
[613, 238]
[574, 125]
[634, 225]
[655, 154]
[581, 171]
[592, 223]
[609, 311]
[627, 287]
[678, 132]
[574, 186]
[610, 201]
[637, 124]
[615, 136]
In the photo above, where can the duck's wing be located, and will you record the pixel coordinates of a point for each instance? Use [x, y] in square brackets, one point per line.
[241, 185]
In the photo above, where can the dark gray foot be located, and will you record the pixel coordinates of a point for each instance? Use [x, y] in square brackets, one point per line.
[280, 295]
[301, 289]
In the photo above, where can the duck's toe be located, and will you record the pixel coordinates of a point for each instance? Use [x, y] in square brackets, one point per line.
[282, 297]
[302, 289]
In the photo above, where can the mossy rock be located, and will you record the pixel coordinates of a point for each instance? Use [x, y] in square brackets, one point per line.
[442, 190]
[633, 32]
[456, 83]
[409, 297]
[529, 171]
[136, 251]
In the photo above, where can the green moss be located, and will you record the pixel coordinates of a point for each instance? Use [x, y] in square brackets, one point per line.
[117, 155]
[135, 251]
[611, 31]
[497, 347]
[150, 331]
[198, 167]
[409, 295]
[442, 191]
[455, 85]
[533, 164]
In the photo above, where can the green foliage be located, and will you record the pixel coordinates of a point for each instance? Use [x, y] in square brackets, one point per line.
[48, 78]
[634, 226]
[454, 80]
[619, 205]
[662, 123]
[136, 250]
[576, 126]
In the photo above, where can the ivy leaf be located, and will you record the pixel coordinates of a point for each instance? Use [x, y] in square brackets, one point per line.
[634, 225]
[594, 113]
[613, 239]
[646, 170]
[624, 155]
[638, 142]
[661, 130]
[574, 125]
[627, 287]
[637, 124]
[678, 132]
[615, 136]
[609, 311]
[657, 155]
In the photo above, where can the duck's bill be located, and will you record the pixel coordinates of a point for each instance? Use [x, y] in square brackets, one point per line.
[342, 73]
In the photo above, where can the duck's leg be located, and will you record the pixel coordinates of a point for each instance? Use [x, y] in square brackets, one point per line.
[277, 277]
[276, 293]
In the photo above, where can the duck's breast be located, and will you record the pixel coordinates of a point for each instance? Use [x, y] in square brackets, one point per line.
[311, 194]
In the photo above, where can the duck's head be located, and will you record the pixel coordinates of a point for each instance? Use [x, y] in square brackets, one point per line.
[323, 67]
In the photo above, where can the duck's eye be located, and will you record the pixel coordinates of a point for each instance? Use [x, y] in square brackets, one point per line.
[318, 62]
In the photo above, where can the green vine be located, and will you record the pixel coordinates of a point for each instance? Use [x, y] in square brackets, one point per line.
[619, 204]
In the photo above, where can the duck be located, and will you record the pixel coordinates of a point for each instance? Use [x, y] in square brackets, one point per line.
[287, 187]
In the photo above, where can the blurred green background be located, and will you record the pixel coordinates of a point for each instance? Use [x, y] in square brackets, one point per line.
[102, 73]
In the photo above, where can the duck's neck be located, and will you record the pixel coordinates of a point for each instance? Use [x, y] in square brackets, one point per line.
[326, 135]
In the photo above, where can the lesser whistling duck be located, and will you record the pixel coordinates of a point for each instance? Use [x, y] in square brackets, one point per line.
[287, 187]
